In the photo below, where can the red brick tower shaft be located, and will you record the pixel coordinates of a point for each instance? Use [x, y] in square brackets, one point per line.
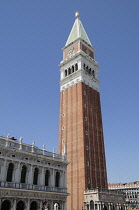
[80, 118]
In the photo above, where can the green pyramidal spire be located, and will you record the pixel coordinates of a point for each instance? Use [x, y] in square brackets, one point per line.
[77, 31]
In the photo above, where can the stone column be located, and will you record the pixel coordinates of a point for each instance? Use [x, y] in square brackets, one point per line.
[50, 178]
[28, 204]
[61, 179]
[117, 207]
[65, 178]
[42, 175]
[52, 205]
[64, 205]
[40, 205]
[4, 171]
[16, 174]
[126, 207]
[30, 176]
[14, 205]
[109, 206]
[53, 178]
[98, 206]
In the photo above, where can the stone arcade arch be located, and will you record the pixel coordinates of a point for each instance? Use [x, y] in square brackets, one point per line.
[56, 206]
[46, 206]
[20, 205]
[33, 205]
[6, 205]
[91, 205]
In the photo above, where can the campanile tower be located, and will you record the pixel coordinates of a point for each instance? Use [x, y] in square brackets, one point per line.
[81, 127]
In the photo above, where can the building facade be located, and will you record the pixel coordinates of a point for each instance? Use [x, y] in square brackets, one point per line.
[80, 117]
[31, 178]
[131, 193]
[104, 199]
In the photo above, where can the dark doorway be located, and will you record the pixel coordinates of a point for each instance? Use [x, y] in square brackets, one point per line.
[20, 206]
[6, 205]
[33, 206]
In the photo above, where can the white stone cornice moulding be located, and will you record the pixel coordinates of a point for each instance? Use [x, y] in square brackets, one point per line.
[22, 193]
[77, 54]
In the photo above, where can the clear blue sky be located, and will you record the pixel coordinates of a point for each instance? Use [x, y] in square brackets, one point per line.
[32, 33]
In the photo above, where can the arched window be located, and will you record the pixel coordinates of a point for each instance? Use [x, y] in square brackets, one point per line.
[20, 205]
[72, 69]
[47, 176]
[46, 205]
[10, 172]
[65, 73]
[56, 206]
[69, 71]
[91, 205]
[35, 179]
[87, 68]
[76, 66]
[93, 73]
[23, 174]
[33, 205]
[57, 179]
[84, 66]
[90, 71]
[6, 205]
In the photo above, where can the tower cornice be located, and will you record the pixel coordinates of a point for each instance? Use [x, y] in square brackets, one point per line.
[75, 55]
[79, 39]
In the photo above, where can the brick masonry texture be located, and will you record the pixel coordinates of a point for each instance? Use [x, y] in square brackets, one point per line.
[81, 128]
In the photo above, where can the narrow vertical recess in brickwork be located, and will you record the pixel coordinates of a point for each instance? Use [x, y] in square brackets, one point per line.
[60, 135]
